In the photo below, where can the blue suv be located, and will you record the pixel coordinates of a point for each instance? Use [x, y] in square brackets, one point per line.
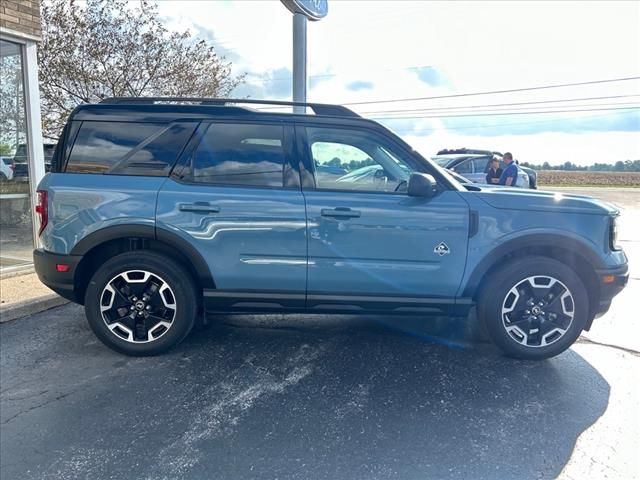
[160, 210]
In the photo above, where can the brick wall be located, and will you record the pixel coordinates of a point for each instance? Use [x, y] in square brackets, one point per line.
[21, 16]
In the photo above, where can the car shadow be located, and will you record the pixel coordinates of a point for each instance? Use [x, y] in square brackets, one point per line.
[297, 397]
[402, 398]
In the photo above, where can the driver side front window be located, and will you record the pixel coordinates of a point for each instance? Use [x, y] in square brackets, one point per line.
[355, 160]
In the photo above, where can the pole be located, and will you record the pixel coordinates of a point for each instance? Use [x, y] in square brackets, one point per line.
[299, 60]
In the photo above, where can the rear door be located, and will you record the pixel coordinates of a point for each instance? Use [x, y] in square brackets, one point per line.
[371, 246]
[236, 198]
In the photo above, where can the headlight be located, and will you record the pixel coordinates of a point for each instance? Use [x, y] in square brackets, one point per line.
[613, 234]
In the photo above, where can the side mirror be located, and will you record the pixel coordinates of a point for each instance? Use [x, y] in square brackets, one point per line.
[421, 185]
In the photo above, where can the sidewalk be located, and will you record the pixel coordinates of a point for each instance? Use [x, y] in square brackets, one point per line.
[22, 294]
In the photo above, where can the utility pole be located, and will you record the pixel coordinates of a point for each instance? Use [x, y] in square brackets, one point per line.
[299, 60]
[303, 11]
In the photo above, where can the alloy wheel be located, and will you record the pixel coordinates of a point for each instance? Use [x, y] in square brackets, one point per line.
[538, 311]
[138, 306]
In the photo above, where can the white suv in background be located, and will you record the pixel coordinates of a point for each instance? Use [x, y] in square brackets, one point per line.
[7, 166]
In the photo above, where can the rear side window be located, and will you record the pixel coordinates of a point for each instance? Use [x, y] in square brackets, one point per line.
[240, 154]
[128, 148]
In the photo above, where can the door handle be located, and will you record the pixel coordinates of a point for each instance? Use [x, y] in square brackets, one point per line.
[340, 212]
[198, 207]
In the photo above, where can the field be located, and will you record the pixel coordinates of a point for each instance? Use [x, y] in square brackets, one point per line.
[596, 179]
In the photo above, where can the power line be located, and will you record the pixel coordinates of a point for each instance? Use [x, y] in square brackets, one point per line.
[493, 92]
[505, 113]
[495, 125]
[497, 105]
[534, 109]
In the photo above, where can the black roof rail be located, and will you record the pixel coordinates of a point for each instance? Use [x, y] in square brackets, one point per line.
[318, 108]
[470, 151]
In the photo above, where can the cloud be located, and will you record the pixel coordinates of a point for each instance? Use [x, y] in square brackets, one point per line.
[273, 84]
[623, 121]
[358, 85]
[430, 76]
[315, 80]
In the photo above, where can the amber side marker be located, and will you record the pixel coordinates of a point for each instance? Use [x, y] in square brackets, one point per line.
[608, 279]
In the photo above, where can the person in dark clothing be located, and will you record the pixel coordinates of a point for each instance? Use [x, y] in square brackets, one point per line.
[509, 177]
[494, 172]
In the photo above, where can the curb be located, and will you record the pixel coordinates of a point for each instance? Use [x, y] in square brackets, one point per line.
[24, 308]
[10, 272]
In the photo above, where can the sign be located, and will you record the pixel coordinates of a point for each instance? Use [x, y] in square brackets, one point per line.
[312, 9]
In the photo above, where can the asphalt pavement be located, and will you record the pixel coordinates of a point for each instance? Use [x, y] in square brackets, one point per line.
[315, 397]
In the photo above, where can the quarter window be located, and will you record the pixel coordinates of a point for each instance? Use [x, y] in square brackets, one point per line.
[128, 148]
[240, 154]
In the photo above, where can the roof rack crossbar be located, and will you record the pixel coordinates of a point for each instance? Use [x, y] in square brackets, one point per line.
[318, 108]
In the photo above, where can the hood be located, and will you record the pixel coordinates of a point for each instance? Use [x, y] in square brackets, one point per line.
[541, 201]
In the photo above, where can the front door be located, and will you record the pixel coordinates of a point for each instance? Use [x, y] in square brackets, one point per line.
[370, 244]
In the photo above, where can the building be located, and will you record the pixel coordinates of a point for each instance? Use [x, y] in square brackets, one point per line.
[21, 145]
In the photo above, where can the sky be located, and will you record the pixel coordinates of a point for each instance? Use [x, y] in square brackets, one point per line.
[370, 51]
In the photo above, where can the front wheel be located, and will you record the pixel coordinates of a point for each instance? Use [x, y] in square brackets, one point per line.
[141, 303]
[535, 308]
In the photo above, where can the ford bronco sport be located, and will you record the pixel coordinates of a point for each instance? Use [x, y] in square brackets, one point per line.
[158, 210]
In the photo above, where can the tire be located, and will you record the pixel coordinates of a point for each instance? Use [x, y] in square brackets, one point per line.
[538, 330]
[141, 303]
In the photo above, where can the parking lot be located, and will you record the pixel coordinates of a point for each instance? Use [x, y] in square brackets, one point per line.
[312, 397]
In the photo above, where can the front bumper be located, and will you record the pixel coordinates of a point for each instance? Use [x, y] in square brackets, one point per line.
[46, 266]
[612, 281]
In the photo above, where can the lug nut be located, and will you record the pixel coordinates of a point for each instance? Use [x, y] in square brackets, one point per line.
[132, 307]
[527, 312]
[148, 307]
[135, 299]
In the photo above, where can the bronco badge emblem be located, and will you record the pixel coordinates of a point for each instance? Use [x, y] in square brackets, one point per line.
[441, 249]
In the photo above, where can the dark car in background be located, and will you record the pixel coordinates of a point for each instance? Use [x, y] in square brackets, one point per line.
[20, 159]
[474, 165]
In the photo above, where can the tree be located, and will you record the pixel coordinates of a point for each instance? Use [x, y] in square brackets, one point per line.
[5, 150]
[12, 112]
[105, 48]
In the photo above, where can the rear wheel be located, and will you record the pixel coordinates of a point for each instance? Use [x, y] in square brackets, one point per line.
[535, 308]
[141, 303]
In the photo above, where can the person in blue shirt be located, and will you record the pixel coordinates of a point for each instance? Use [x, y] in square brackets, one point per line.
[509, 177]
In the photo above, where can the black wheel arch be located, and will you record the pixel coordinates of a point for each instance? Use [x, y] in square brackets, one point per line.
[111, 241]
[576, 255]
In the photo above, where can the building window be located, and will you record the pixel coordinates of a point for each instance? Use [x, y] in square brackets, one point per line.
[16, 232]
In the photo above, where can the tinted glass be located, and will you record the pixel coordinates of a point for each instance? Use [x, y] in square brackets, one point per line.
[356, 160]
[101, 145]
[240, 154]
[482, 164]
[466, 166]
[157, 154]
[127, 148]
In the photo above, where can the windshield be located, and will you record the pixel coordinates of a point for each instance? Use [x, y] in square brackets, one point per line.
[442, 161]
